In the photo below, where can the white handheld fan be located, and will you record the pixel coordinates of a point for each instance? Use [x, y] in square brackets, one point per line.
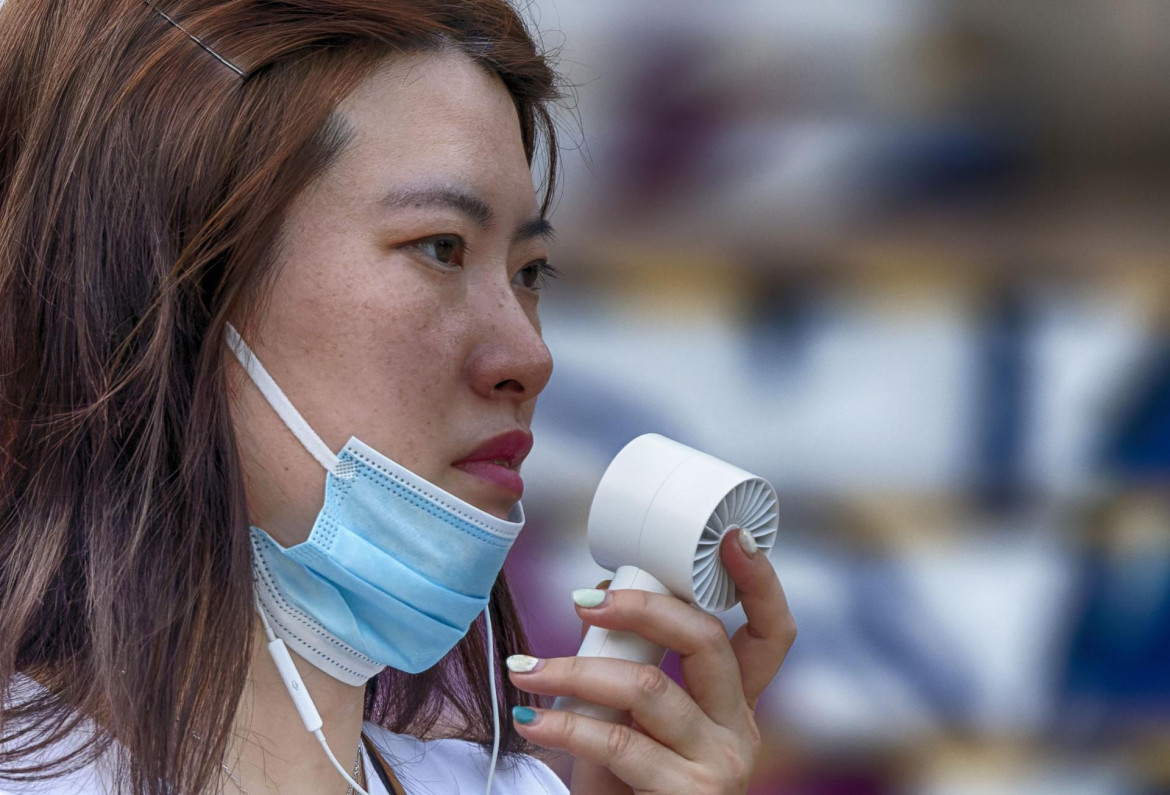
[657, 520]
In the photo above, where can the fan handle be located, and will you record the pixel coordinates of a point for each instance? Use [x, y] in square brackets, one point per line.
[601, 642]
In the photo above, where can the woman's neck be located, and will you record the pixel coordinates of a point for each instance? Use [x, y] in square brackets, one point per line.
[271, 751]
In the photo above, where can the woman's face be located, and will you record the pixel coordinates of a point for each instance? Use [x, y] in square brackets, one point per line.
[403, 310]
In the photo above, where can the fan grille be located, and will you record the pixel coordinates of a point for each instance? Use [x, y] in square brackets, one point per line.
[751, 506]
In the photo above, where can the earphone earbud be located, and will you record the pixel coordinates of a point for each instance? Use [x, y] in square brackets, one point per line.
[657, 520]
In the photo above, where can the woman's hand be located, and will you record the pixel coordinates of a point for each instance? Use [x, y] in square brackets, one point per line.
[698, 740]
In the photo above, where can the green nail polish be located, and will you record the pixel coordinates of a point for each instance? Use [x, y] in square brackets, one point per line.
[525, 715]
[523, 664]
[588, 597]
[747, 543]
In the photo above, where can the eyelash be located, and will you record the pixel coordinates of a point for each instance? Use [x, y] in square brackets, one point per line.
[543, 273]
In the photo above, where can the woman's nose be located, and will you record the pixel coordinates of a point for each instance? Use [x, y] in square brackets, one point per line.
[509, 359]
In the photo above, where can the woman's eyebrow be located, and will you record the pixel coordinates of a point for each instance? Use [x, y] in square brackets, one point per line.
[467, 202]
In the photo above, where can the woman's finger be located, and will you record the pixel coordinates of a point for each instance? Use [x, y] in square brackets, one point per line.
[601, 586]
[635, 758]
[763, 642]
[709, 666]
[662, 709]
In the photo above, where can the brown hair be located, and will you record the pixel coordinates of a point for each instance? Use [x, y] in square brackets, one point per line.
[142, 189]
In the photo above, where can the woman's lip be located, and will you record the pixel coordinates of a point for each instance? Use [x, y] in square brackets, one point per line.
[504, 477]
[512, 447]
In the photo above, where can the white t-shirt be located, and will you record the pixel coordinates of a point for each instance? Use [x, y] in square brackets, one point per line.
[432, 767]
[438, 767]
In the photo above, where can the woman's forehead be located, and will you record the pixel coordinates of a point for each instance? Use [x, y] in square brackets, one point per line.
[434, 118]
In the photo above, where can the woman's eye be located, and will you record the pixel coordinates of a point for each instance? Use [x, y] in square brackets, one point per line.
[535, 276]
[446, 249]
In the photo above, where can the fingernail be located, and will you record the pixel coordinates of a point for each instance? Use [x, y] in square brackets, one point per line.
[589, 597]
[523, 664]
[525, 715]
[747, 543]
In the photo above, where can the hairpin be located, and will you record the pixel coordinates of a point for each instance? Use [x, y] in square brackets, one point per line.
[195, 39]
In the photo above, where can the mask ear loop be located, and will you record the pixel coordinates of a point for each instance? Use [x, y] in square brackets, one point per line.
[314, 444]
[279, 401]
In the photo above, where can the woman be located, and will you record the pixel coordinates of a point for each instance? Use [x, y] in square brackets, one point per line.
[225, 220]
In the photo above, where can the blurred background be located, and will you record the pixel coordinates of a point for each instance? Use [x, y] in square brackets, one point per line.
[909, 260]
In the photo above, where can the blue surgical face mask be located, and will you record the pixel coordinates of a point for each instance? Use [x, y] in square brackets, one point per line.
[394, 570]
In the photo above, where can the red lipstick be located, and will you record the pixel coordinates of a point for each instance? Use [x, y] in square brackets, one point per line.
[498, 460]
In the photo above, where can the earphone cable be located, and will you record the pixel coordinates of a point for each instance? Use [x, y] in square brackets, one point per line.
[300, 696]
[491, 654]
